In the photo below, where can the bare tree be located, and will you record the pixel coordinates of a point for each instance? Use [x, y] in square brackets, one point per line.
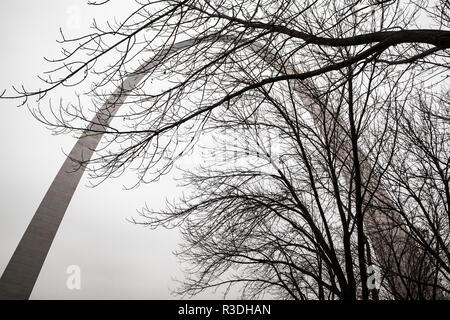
[337, 83]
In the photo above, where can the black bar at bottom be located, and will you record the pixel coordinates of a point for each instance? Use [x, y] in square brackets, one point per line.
[225, 309]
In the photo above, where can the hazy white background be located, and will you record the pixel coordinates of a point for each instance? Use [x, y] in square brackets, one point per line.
[118, 260]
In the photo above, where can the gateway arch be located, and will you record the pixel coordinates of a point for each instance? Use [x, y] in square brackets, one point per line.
[22, 271]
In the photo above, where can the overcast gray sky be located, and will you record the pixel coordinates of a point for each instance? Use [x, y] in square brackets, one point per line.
[118, 260]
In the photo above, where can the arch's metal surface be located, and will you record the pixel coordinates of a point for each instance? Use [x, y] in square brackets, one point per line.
[23, 269]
